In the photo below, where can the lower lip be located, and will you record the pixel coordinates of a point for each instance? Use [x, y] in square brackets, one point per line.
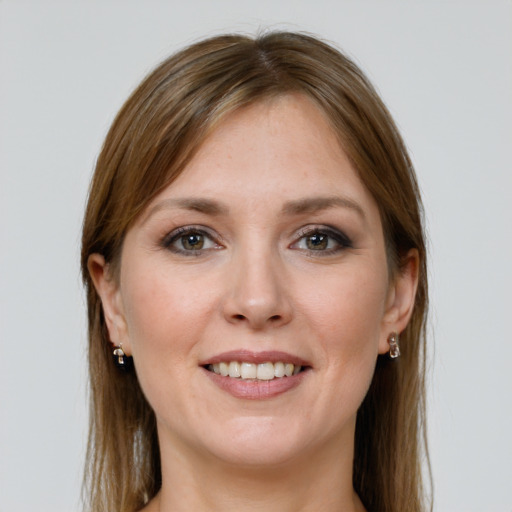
[256, 389]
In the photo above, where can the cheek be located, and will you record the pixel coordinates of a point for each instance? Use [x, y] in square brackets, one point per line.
[166, 316]
[349, 303]
[348, 314]
[163, 313]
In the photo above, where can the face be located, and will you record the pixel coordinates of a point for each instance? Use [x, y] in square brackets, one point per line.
[265, 258]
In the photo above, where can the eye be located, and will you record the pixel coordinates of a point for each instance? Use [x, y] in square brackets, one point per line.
[192, 241]
[322, 240]
[189, 241]
[317, 242]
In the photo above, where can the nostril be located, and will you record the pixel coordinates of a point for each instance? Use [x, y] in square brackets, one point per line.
[273, 318]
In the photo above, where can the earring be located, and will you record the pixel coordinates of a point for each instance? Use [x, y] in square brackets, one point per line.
[121, 360]
[394, 348]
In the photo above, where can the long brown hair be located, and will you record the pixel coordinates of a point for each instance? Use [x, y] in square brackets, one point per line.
[152, 139]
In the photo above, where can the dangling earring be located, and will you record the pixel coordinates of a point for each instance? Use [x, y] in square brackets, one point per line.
[394, 349]
[121, 360]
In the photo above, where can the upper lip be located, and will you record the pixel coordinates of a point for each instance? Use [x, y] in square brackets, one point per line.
[248, 356]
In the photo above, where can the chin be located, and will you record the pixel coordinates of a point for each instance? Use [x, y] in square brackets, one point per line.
[258, 452]
[258, 441]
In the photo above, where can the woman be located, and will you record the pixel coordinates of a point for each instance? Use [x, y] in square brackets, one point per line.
[253, 246]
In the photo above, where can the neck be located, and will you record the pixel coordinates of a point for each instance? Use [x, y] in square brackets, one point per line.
[313, 481]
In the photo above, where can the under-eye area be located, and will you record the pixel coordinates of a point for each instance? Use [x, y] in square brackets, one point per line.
[252, 371]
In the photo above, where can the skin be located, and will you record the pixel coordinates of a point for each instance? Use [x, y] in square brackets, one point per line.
[259, 283]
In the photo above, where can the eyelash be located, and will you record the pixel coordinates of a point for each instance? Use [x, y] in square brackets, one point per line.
[342, 241]
[181, 233]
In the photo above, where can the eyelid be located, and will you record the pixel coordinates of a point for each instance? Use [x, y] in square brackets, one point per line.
[169, 239]
[339, 236]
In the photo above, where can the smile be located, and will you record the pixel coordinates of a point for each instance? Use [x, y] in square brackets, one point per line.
[262, 371]
[252, 375]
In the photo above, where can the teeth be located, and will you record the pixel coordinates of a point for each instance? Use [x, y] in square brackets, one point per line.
[234, 369]
[224, 369]
[263, 371]
[248, 371]
[279, 369]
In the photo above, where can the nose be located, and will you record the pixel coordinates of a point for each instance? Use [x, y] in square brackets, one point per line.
[257, 294]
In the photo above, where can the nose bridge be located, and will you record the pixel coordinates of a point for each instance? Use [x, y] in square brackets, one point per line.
[257, 295]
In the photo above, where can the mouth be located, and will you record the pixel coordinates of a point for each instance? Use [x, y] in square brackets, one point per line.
[250, 371]
[250, 375]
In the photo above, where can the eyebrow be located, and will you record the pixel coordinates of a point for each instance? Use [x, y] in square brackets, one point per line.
[201, 205]
[295, 207]
[316, 204]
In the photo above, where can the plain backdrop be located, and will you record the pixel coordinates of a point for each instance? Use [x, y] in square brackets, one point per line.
[444, 68]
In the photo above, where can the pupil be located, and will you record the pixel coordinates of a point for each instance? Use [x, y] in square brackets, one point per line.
[193, 242]
[317, 241]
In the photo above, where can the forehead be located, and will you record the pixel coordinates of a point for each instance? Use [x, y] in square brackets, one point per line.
[266, 134]
[282, 149]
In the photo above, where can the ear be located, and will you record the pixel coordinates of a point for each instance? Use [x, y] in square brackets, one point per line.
[401, 298]
[110, 295]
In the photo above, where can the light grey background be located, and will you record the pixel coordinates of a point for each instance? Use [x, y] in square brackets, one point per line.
[445, 71]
